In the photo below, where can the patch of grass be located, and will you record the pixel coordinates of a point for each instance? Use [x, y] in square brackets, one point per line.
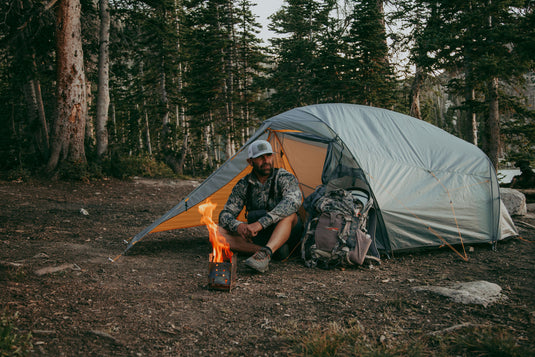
[12, 343]
[331, 341]
[334, 340]
[485, 341]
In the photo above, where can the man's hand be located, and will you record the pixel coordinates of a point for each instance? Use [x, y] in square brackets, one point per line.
[248, 231]
[243, 231]
[254, 228]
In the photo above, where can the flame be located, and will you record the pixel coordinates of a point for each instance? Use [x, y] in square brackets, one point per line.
[220, 248]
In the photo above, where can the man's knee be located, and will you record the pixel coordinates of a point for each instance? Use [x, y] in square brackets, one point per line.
[230, 237]
[292, 222]
[223, 231]
[290, 219]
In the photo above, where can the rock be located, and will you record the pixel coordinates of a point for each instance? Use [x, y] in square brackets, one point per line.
[43, 332]
[41, 256]
[474, 292]
[7, 264]
[514, 201]
[50, 270]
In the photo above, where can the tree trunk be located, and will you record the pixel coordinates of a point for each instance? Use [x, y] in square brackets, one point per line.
[164, 100]
[69, 125]
[381, 10]
[114, 121]
[103, 97]
[208, 140]
[470, 127]
[147, 133]
[494, 141]
[169, 154]
[36, 112]
[44, 138]
[139, 128]
[185, 142]
[16, 135]
[32, 114]
[89, 121]
[42, 117]
[181, 111]
[229, 85]
[415, 94]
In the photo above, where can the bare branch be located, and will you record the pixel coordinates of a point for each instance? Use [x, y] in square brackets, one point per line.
[45, 9]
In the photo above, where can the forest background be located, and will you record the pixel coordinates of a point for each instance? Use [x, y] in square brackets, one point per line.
[93, 88]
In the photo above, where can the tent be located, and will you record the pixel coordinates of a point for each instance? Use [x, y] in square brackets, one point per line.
[429, 188]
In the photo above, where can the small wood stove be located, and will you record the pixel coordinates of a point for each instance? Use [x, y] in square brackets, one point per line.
[222, 276]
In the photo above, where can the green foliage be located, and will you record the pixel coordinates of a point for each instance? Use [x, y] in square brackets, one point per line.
[18, 174]
[12, 343]
[320, 58]
[73, 171]
[369, 74]
[190, 80]
[144, 166]
[518, 130]
[118, 167]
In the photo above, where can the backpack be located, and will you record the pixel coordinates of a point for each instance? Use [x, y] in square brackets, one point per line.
[336, 231]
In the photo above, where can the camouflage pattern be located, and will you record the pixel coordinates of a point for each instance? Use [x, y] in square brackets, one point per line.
[286, 199]
[338, 201]
[336, 234]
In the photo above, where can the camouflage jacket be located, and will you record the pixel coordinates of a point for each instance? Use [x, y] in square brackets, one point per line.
[286, 199]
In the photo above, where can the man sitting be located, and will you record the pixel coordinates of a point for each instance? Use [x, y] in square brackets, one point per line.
[271, 198]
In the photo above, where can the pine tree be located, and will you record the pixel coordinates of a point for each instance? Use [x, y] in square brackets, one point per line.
[479, 38]
[251, 58]
[26, 49]
[299, 23]
[205, 44]
[368, 72]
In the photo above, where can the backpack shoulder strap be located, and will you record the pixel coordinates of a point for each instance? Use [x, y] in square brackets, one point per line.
[273, 184]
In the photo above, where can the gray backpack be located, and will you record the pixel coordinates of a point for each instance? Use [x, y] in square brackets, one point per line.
[335, 234]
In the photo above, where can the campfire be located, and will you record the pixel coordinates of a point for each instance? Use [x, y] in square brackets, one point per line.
[222, 263]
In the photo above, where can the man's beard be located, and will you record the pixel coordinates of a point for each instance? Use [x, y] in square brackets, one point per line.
[264, 170]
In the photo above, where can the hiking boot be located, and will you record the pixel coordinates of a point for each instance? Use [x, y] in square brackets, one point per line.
[259, 261]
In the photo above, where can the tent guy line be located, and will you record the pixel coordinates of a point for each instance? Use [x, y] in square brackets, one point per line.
[463, 257]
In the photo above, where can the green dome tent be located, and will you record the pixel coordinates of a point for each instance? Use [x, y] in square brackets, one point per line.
[430, 188]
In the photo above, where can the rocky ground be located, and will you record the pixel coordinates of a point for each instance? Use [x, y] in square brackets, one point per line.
[55, 273]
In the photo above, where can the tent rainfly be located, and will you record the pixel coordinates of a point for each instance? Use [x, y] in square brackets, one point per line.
[430, 188]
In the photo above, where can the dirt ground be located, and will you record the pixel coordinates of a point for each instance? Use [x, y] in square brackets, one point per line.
[155, 301]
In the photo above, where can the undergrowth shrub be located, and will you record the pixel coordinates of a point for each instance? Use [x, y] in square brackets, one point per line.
[486, 341]
[130, 166]
[18, 174]
[118, 167]
[12, 343]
